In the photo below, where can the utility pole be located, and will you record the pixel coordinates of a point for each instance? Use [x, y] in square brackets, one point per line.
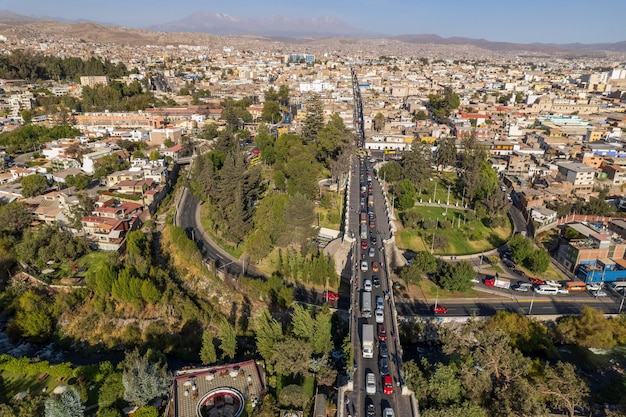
[447, 201]
[530, 309]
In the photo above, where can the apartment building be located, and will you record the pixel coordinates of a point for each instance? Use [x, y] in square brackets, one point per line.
[581, 176]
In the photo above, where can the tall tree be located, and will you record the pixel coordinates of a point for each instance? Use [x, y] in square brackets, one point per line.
[268, 332]
[144, 377]
[446, 153]
[14, 217]
[207, 353]
[474, 154]
[271, 112]
[314, 119]
[564, 388]
[228, 340]
[417, 164]
[33, 185]
[66, 404]
[379, 122]
[299, 217]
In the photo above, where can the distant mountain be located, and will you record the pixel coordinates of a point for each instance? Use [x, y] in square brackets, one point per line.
[7, 16]
[510, 46]
[224, 24]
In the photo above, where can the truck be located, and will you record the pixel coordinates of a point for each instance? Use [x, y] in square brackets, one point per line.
[363, 231]
[367, 340]
[366, 304]
[494, 281]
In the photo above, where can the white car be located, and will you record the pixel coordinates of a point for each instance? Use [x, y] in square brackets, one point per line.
[364, 266]
[367, 285]
[380, 315]
[598, 293]
[380, 304]
[563, 290]
[388, 412]
[370, 384]
[594, 287]
[552, 283]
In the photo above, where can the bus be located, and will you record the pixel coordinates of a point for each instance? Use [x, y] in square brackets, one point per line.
[366, 304]
[575, 286]
[390, 151]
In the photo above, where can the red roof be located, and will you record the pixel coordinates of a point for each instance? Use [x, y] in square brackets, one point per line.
[175, 148]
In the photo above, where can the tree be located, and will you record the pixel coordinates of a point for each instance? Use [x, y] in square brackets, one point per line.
[521, 248]
[417, 164]
[207, 353]
[33, 185]
[14, 217]
[455, 277]
[268, 332]
[111, 390]
[415, 379]
[144, 377]
[425, 262]
[564, 388]
[271, 112]
[67, 404]
[379, 122]
[314, 120]
[146, 411]
[299, 217]
[84, 207]
[420, 115]
[539, 261]
[293, 396]
[80, 181]
[228, 340]
[444, 386]
[391, 171]
[291, 357]
[589, 329]
[446, 152]
[283, 94]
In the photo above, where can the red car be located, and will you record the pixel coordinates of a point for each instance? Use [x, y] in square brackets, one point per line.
[364, 244]
[387, 385]
[331, 296]
[382, 333]
[375, 266]
[537, 281]
[438, 309]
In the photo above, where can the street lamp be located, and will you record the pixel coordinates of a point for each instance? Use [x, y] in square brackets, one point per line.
[530, 309]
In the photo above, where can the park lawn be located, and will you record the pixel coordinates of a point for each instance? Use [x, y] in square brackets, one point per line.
[15, 383]
[430, 290]
[321, 213]
[552, 273]
[458, 243]
[236, 252]
[437, 190]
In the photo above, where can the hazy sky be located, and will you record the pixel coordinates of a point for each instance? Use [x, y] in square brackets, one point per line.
[548, 21]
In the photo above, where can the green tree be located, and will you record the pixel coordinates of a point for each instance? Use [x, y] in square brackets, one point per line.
[271, 112]
[564, 388]
[455, 277]
[291, 357]
[293, 396]
[144, 377]
[425, 262]
[108, 412]
[33, 185]
[84, 207]
[539, 261]
[589, 329]
[314, 120]
[417, 164]
[521, 248]
[415, 379]
[268, 332]
[283, 95]
[391, 171]
[207, 353]
[420, 115]
[14, 217]
[111, 390]
[80, 181]
[446, 154]
[228, 340]
[146, 411]
[299, 217]
[67, 404]
[444, 386]
[378, 122]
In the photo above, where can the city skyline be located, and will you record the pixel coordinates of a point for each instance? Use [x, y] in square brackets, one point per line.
[532, 21]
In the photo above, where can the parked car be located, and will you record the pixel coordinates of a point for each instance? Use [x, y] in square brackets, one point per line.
[509, 263]
[388, 412]
[331, 295]
[383, 366]
[598, 293]
[594, 286]
[376, 280]
[537, 281]
[563, 291]
[439, 309]
[370, 383]
[518, 287]
[387, 385]
[380, 315]
[382, 333]
[383, 351]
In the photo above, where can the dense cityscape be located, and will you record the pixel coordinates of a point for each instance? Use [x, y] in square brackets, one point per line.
[195, 225]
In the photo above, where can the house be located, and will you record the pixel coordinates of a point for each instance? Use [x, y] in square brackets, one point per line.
[108, 234]
[174, 152]
[578, 174]
[542, 215]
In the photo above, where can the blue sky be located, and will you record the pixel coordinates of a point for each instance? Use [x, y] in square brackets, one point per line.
[547, 21]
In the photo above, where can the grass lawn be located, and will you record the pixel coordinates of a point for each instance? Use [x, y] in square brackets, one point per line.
[427, 288]
[208, 228]
[333, 203]
[15, 383]
[458, 241]
[437, 189]
[552, 273]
